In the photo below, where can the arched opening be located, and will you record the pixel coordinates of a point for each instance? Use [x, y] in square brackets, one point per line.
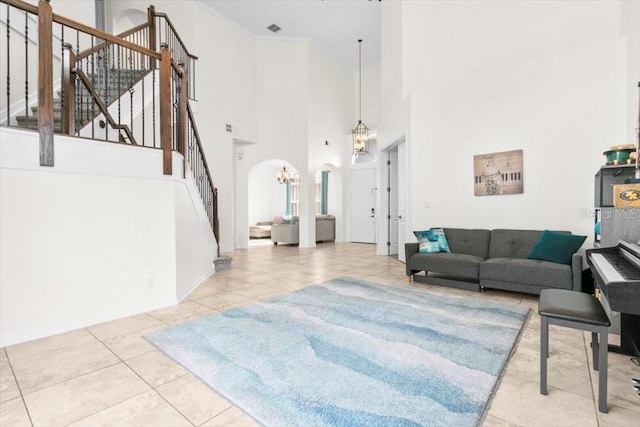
[328, 211]
[272, 195]
[127, 19]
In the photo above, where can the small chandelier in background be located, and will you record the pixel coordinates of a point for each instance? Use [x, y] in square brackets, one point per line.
[361, 133]
[283, 176]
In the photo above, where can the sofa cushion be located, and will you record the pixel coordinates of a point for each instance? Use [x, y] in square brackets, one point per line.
[452, 264]
[468, 241]
[556, 247]
[528, 271]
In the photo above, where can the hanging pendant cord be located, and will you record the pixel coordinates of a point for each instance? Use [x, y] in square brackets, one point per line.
[360, 78]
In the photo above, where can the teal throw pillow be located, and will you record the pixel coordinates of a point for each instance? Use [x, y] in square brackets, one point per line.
[556, 247]
[432, 241]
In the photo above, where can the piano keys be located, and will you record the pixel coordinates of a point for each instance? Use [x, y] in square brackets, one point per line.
[616, 271]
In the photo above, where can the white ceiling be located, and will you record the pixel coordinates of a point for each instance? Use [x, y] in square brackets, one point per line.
[334, 25]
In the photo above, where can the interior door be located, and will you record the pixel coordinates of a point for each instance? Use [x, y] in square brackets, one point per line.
[393, 202]
[363, 202]
[402, 199]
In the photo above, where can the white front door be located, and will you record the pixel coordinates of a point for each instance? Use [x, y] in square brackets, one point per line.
[363, 202]
[402, 199]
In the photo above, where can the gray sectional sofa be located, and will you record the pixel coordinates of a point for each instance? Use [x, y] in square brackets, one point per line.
[492, 259]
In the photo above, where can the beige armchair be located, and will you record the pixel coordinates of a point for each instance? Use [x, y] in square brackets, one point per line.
[325, 228]
[282, 232]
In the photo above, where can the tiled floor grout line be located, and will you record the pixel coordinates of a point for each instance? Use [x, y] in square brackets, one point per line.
[171, 404]
[24, 402]
[587, 351]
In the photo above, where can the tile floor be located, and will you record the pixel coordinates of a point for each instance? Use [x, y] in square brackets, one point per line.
[108, 374]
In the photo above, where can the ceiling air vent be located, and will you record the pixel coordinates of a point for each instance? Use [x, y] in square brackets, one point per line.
[273, 28]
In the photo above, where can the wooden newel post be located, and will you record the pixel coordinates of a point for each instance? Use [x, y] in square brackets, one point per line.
[165, 108]
[69, 101]
[45, 82]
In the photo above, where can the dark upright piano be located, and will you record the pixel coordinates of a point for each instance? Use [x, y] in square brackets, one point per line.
[616, 271]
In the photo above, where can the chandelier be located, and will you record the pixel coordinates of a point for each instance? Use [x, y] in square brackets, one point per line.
[283, 176]
[361, 133]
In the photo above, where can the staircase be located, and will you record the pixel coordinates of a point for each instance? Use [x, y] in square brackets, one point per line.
[101, 72]
[31, 121]
[109, 84]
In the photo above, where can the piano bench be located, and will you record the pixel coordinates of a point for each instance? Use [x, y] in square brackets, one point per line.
[578, 311]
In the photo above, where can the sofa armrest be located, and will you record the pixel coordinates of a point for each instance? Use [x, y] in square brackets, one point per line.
[410, 249]
[576, 271]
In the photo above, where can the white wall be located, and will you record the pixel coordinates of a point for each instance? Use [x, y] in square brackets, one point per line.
[99, 252]
[82, 11]
[195, 243]
[371, 96]
[99, 236]
[630, 27]
[393, 111]
[331, 109]
[487, 79]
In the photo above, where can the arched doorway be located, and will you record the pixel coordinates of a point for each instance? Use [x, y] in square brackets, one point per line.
[272, 191]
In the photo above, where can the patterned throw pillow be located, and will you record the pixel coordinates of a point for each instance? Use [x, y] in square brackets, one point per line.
[432, 241]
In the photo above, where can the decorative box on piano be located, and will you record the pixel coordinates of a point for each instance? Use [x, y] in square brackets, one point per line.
[626, 195]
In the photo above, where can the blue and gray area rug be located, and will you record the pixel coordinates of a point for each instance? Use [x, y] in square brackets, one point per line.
[352, 353]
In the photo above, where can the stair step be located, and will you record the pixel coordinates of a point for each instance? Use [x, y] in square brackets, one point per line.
[57, 108]
[28, 120]
[57, 125]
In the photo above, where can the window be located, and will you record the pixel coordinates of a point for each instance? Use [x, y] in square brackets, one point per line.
[324, 209]
[294, 196]
[318, 193]
[322, 192]
[291, 208]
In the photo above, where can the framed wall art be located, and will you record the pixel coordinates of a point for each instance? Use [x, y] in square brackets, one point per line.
[498, 173]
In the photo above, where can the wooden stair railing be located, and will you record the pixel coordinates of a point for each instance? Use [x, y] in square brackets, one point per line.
[103, 108]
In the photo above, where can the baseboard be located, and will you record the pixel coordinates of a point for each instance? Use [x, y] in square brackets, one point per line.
[195, 283]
